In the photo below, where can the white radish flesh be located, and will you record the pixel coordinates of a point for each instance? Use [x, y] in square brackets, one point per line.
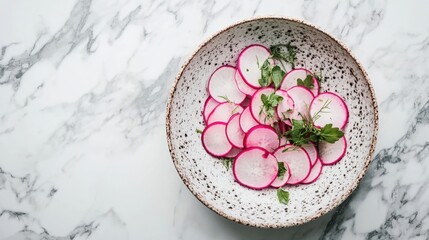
[329, 108]
[233, 153]
[246, 120]
[209, 105]
[312, 152]
[256, 105]
[223, 112]
[331, 153]
[222, 86]
[215, 141]
[262, 136]
[250, 61]
[302, 98]
[281, 181]
[315, 172]
[255, 168]
[233, 131]
[243, 86]
[286, 106]
[291, 78]
[297, 160]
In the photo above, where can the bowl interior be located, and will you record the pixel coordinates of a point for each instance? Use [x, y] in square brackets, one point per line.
[208, 179]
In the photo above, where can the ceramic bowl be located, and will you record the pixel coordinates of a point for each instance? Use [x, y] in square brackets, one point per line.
[207, 178]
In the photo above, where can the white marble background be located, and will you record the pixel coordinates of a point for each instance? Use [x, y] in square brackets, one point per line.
[83, 89]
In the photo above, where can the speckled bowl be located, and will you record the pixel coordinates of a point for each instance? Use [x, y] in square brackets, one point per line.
[208, 179]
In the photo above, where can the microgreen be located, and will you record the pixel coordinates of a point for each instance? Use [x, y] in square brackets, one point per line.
[268, 105]
[307, 82]
[283, 196]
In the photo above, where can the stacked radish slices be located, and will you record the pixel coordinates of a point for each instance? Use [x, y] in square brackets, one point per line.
[276, 128]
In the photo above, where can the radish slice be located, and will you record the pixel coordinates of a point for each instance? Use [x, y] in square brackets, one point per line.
[312, 152]
[283, 141]
[222, 86]
[262, 136]
[302, 98]
[243, 86]
[209, 105]
[245, 103]
[291, 78]
[233, 153]
[314, 173]
[298, 161]
[331, 153]
[256, 105]
[336, 111]
[255, 168]
[286, 106]
[250, 61]
[233, 131]
[215, 141]
[280, 182]
[247, 121]
[223, 112]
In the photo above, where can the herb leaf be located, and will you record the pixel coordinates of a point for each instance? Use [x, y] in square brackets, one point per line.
[330, 134]
[266, 70]
[198, 130]
[269, 103]
[227, 162]
[289, 56]
[283, 196]
[307, 82]
[225, 98]
[282, 170]
[277, 76]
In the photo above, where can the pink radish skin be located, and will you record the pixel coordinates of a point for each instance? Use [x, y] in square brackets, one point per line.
[302, 98]
[281, 182]
[249, 62]
[262, 136]
[255, 168]
[247, 121]
[337, 113]
[297, 160]
[312, 152]
[209, 105]
[256, 104]
[233, 131]
[290, 79]
[222, 85]
[215, 141]
[331, 153]
[223, 112]
[233, 153]
[315, 172]
[243, 86]
[286, 106]
[245, 103]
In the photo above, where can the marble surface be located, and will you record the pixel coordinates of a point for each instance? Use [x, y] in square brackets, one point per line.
[83, 89]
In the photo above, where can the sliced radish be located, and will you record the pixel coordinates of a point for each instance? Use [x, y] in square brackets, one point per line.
[233, 153]
[246, 120]
[233, 131]
[302, 98]
[256, 105]
[283, 141]
[280, 182]
[243, 86]
[209, 105]
[314, 173]
[255, 168]
[312, 152]
[336, 111]
[331, 153]
[291, 78]
[262, 136]
[222, 85]
[215, 141]
[286, 106]
[298, 161]
[250, 61]
[223, 112]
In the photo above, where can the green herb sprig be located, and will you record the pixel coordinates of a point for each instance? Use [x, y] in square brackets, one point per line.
[307, 82]
[289, 56]
[283, 196]
[269, 103]
[270, 74]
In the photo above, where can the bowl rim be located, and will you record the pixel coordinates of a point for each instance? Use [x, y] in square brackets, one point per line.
[333, 204]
